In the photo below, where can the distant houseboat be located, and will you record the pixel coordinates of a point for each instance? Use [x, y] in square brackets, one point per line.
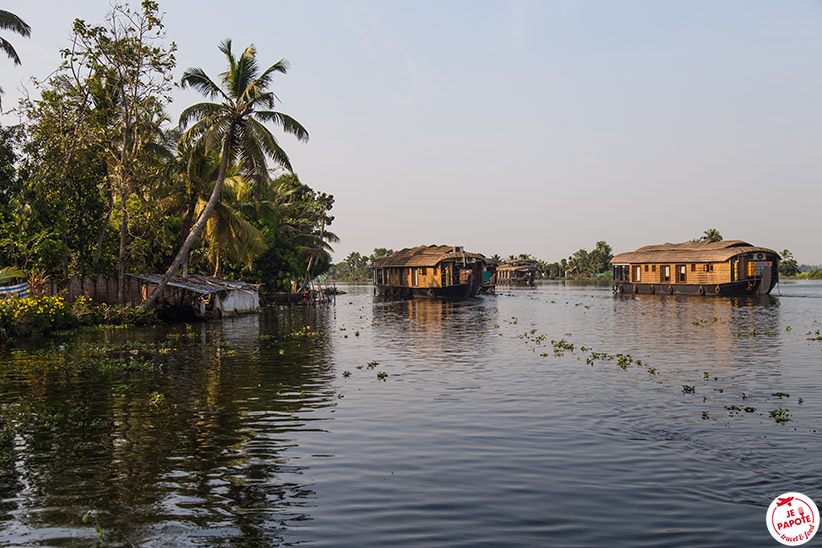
[430, 271]
[517, 272]
[729, 267]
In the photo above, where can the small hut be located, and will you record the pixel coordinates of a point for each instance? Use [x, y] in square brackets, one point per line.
[731, 267]
[203, 296]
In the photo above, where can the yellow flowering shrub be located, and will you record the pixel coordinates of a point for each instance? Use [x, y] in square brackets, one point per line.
[34, 314]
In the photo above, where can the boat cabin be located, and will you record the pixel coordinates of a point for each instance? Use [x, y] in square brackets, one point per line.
[430, 271]
[517, 272]
[731, 267]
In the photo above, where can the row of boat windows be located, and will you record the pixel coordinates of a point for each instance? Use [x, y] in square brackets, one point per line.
[679, 273]
[667, 273]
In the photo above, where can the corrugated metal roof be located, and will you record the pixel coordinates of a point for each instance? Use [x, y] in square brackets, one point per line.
[695, 252]
[423, 256]
[198, 284]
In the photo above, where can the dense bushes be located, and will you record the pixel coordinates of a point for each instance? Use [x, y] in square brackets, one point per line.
[37, 315]
[34, 315]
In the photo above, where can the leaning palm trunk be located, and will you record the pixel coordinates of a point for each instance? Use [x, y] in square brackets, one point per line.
[311, 261]
[198, 226]
[237, 123]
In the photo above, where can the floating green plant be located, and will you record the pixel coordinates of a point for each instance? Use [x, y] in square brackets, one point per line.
[781, 415]
[781, 395]
[688, 389]
[156, 399]
[372, 365]
[346, 374]
[382, 375]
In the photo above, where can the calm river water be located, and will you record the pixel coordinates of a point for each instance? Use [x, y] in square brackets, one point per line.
[556, 416]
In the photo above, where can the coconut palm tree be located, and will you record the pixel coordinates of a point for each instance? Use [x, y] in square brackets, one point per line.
[711, 235]
[9, 21]
[235, 125]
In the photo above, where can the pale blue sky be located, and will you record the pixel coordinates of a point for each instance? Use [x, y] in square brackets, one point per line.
[517, 126]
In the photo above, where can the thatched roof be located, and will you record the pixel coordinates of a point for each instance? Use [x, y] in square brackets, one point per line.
[689, 252]
[519, 264]
[424, 256]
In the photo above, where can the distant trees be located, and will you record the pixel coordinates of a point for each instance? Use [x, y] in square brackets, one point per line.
[357, 267]
[585, 263]
[788, 265]
[711, 235]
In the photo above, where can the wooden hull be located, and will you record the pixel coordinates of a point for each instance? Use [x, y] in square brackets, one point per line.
[451, 291]
[517, 282]
[743, 287]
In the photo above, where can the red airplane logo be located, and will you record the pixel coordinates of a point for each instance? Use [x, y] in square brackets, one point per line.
[782, 502]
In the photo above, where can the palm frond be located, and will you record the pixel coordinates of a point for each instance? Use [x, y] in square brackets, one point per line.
[267, 143]
[200, 111]
[286, 122]
[9, 50]
[199, 80]
[9, 21]
[8, 273]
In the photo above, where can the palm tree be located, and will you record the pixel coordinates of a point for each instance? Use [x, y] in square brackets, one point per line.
[9, 21]
[236, 125]
[711, 235]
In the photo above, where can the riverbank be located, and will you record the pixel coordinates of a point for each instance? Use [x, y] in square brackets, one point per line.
[38, 315]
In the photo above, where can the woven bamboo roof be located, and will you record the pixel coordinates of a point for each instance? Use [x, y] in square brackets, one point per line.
[693, 252]
[423, 256]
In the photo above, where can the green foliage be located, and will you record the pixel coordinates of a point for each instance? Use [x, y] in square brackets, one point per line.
[788, 265]
[356, 267]
[35, 315]
[583, 263]
[710, 235]
[88, 312]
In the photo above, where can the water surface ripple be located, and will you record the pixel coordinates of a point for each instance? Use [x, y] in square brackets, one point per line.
[561, 415]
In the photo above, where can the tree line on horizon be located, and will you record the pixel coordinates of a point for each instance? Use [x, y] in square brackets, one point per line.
[581, 264]
[96, 180]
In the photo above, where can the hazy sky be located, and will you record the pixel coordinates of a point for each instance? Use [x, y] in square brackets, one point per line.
[515, 127]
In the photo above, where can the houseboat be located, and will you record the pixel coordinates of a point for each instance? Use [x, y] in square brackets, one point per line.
[730, 267]
[517, 272]
[430, 271]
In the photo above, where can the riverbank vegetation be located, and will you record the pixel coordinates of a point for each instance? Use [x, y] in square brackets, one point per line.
[96, 180]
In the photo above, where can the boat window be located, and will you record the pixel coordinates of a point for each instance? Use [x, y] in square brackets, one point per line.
[637, 272]
[693, 268]
[666, 273]
[646, 268]
[681, 274]
[653, 268]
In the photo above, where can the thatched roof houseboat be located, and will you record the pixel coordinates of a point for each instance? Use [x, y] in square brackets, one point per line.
[517, 272]
[430, 271]
[731, 267]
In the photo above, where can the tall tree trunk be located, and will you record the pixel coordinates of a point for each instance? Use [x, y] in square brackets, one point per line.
[101, 235]
[121, 258]
[311, 259]
[198, 226]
